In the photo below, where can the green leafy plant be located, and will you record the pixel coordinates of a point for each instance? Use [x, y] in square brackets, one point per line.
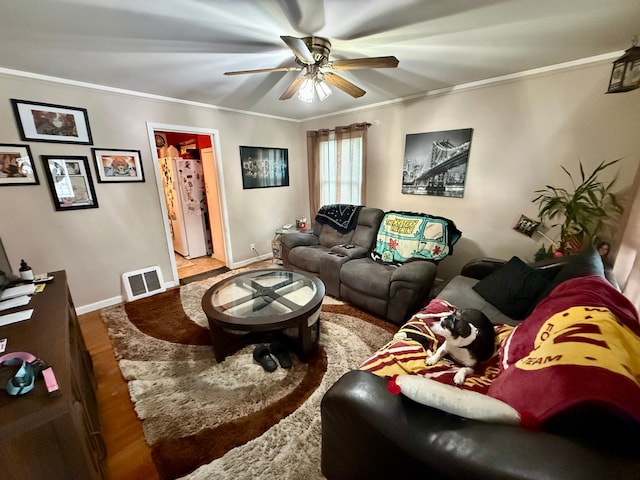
[587, 211]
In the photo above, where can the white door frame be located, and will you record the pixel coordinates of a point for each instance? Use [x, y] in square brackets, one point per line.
[215, 143]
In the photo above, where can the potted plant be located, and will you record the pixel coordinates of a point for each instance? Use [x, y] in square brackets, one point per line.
[586, 212]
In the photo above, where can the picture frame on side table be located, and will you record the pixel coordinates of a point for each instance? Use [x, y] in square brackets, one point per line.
[70, 182]
[264, 167]
[118, 165]
[46, 122]
[17, 166]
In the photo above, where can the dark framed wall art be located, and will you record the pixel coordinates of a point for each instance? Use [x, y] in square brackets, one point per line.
[117, 165]
[264, 167]
[435, 163]
[46, 122]
[70, 182]
[16, 166]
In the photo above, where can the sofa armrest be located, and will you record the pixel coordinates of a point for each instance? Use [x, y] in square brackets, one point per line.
[369, 433]
[358, 438]
[415, 271]
[298, 239]
[409, 289]
[354, 252]
[481, 267]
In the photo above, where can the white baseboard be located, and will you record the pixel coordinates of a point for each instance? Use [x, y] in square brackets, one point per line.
[244, 263]
[108, 302]
[98, 305]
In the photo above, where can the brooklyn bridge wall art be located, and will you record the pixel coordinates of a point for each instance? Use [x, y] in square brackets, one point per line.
[435, 163]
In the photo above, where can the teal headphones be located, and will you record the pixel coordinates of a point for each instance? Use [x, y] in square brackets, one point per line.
[23, 380]
[30, 367]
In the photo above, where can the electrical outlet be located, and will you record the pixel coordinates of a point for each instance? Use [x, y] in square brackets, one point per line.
[253, 246]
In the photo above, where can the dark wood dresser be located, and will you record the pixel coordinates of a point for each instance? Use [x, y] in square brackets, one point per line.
[44, 437]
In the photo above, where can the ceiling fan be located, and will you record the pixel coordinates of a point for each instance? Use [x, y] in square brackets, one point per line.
[312, 56]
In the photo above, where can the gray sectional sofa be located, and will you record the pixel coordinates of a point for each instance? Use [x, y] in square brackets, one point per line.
[341, 258]
[369, 433]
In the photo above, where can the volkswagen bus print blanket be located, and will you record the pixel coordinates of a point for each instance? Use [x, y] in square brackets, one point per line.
[406, 236]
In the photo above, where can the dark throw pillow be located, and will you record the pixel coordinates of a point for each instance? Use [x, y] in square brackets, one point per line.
[513, 288]
[587, 262]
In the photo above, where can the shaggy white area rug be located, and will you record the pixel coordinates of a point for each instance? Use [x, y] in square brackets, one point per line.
[184, 397]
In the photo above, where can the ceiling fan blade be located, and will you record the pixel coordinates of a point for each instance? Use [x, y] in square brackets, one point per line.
[293, 88]
[300, 49]
[344, 85]
[264, 70]
[359, 63]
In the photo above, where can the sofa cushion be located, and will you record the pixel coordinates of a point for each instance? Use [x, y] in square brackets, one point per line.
[330, 237]
[307, 258]
[459, 291]
[587, 262]
[513, 288]
[404, 235]
[343, 217]
[368, 222]
[366, 276]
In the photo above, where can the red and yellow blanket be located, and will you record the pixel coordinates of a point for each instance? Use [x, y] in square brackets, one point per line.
[581, 345]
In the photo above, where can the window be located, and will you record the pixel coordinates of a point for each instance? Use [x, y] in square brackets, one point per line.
[337, 162]
[341, 170]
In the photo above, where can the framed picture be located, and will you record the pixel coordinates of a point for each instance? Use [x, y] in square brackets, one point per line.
[70, 181]
[117, 165]
[435, 163]
[526, 225]
[45, 122]
[264, 167]
[16, 166]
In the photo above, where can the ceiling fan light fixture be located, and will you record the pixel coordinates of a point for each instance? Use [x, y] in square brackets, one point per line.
[306, 92]
[322, 89]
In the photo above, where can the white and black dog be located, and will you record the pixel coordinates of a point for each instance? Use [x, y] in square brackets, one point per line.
[469, 339]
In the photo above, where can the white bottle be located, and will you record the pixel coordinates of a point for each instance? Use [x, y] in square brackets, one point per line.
[25, 271]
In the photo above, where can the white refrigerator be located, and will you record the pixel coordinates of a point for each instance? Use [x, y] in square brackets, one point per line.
[184, 193]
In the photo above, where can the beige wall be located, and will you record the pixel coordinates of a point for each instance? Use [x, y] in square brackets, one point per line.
[524, 129]
[126, 232]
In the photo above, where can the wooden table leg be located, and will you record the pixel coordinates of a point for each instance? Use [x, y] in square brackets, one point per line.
[307, 346]
[217, 341]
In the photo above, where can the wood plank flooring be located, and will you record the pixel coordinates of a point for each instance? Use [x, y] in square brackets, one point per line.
[128, 455]
[193, 266]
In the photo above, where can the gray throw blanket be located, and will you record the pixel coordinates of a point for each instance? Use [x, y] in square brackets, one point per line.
[340, 216]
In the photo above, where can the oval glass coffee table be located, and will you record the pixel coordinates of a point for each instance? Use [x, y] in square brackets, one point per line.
[251, 306]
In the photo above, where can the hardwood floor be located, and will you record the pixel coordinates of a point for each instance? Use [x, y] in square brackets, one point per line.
[193, 266]
[128, 455]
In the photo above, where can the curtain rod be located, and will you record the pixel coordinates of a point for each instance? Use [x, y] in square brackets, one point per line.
[367, 124]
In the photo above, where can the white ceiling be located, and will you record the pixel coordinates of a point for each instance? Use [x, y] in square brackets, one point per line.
[180, 48]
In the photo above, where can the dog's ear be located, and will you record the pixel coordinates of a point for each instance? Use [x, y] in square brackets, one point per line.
[476, 317]
[462, 324]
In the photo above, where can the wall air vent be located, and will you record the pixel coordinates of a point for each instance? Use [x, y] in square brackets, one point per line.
[143, 283]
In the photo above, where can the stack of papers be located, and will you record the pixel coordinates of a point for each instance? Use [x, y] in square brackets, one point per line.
[14, 302]
[15, 317]
[18, 291]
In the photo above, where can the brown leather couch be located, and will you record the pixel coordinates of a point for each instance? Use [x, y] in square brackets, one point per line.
[342, 261]
[368, 433]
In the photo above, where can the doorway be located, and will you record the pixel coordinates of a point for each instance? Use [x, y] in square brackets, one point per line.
[200, 205]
